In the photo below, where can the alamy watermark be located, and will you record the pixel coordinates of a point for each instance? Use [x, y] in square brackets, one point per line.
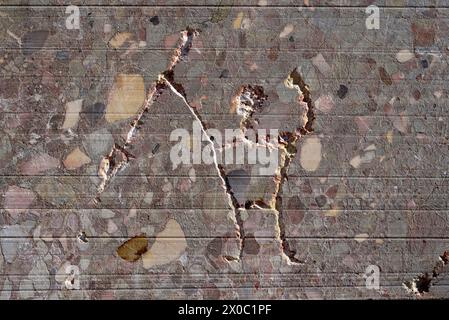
[72, 22]
[253, 147]
[372, 277]
[72, 282]
[373, 20]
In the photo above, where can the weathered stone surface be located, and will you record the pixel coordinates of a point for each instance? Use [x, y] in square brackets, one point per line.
[367, 187]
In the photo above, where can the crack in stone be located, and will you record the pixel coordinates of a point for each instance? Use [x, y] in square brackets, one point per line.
[295, 80]
[421, 284]
[118, 158]
[288, 141]
[281, 177]
[246, 102]
[178, 89]
[249, 100]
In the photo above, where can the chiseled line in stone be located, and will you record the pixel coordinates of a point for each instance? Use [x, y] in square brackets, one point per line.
[104, 167]
[233, 203]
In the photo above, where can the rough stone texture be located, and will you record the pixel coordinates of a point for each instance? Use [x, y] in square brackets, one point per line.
[369, 185]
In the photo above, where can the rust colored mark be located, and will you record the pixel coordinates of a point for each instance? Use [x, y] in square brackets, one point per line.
[132, 249]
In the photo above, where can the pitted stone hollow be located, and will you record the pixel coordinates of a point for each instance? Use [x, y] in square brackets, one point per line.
[422, 284]
[249, 100]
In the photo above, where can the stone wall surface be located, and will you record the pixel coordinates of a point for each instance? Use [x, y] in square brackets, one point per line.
[93, 207]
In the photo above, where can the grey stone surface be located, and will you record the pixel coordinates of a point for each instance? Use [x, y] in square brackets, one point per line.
[364, 123]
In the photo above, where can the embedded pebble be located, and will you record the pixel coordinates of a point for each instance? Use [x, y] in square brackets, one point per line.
[107, 214]
[325, 103]
[361, 237]
[34, 41]
[72, 113]
[112, 227]
[119, 39]
[168, 246]
[38, 164]
[286, 31]
[319, 62]
[18, 200]
[126, 97]
[75, 159]
[238, 21]
[310, 155]
[404, 55]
